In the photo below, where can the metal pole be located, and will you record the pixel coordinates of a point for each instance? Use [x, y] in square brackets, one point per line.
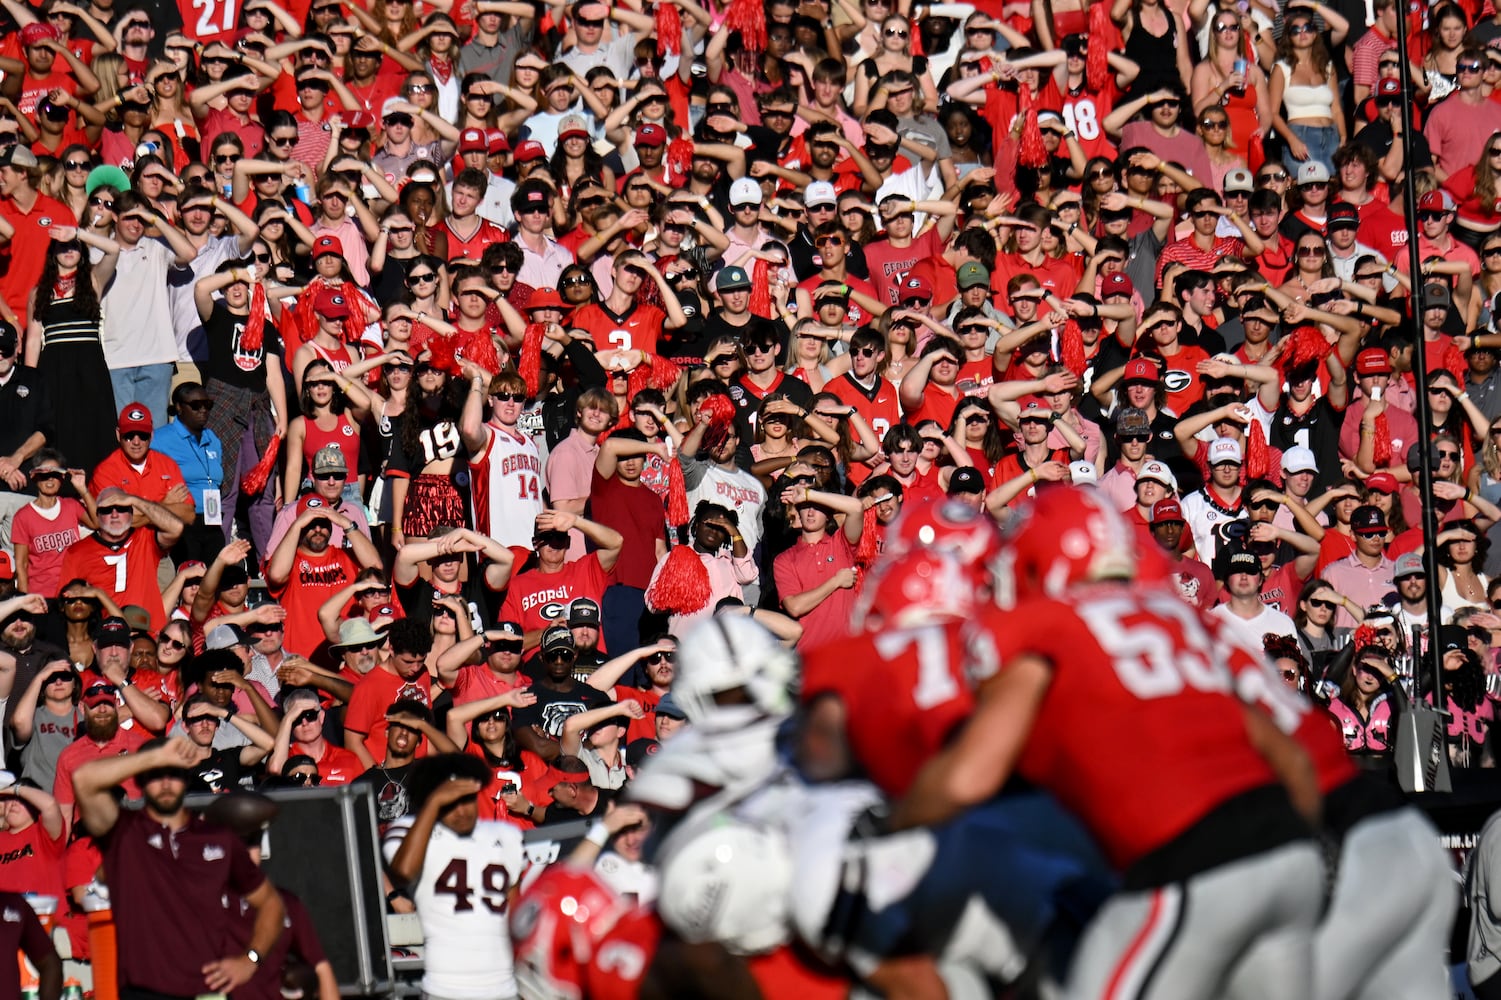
[1420, 375]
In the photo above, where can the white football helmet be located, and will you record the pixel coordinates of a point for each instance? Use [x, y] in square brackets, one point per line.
[728, 881]
[728, 652]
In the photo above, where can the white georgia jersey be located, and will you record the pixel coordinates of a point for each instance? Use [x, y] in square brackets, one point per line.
[462, 904]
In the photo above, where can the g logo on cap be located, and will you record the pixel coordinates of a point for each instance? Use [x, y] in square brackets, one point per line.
[136, 414]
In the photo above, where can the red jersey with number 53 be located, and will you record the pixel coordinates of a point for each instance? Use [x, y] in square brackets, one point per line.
[1140, 734]
[904, 692]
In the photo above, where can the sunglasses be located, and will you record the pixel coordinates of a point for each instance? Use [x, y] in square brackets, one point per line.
[42, 475]
[509, 397]
[1432, 216]
[760, 348]
[662, 656]
[283, 140]
[896, 32]
[328, 477]
[1301, 28]
[1452, 456]
[413, 279]
[1275, 175]
[1264, 505]
[98, 202]
[106, 512]
[865, 352]
[304, 778]
[1309, 252]
[504, 646]
[1469, 67]
[574, 282]
[1215, 123]
[829, 241]
[227, 158]
[198, 404]
[198, 720]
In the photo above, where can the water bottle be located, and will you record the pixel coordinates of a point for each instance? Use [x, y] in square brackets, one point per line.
[1240, 67]
[72, 990]
[303, 193]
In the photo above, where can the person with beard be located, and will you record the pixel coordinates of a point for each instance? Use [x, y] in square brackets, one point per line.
[102, 737]
[113, 641]
[330, 473]
[497, 672]
[427, 572]
[583, 620]
[645, 675]
[559, 694]
[301, 735]
[403, 676]
[428, 467]
[218, 770]
[407, 722]
[304, 569]
[120, 557]
[21, 658]
[574, 796]
[173, 896]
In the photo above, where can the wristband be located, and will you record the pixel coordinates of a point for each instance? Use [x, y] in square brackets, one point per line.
[598, 834]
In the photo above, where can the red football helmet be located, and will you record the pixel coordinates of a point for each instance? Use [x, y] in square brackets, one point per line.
[555, 927]
[939, 523]
[924, 586]
[1065, 536]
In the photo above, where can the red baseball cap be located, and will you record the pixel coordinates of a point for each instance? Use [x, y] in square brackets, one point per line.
[1383, 482]
[1388, 88]
[358, 120]
[1166, 510]
[1034, 407]
[327, 245]
[528, 151]
[311, 502]
[472, 140]
[1436, 201]
[545, 298]
[1141, 370]
[496, 142]
[135, 417]
[7, 567]
[651, 134]
[556, 777]
[1372, 361]
[1116, 284]
[332, 304]
[917, 289]
[37, 33]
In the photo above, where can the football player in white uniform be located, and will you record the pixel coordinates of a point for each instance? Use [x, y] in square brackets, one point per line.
[463, 874]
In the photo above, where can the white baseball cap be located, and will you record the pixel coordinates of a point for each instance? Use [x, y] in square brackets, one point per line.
[1299, 459]
[1158, 473]
[820, 193]
[745, 192]
[1225, 450]
[1083, 471]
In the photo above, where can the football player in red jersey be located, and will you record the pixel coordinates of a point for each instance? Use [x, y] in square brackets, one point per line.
[1112, 695]
[576, 938]
[1386, 929]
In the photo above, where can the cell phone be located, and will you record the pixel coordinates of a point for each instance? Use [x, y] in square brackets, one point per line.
[508, 788]
[1376, 392]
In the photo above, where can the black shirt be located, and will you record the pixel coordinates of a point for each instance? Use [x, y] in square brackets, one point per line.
[1316, 430]
[553, 708]
[24, 409]
[228, 360]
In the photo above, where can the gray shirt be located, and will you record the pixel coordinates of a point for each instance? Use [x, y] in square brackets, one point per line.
[496, 61]
[51, 734]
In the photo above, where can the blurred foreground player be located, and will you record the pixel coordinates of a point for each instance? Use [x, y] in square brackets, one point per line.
[1222, 885]
[576, 938]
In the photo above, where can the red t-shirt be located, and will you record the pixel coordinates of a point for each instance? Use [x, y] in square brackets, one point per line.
[537, 599]
[157, 476]
[46, 541]
[337, 766]
[937, 404]
[805, 566]
[22, 256]
[882, 413]
[375, 693]
[637, 513]
[642, 324]
[31, 861]
[477, 682]
[888, 265]
[83, 750]
[313, 580]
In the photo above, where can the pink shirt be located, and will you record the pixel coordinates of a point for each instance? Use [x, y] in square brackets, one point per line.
[1365, 585]
[46, 540]
[726, 576]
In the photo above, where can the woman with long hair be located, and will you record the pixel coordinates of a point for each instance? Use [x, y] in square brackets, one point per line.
[1477, 189]
[1485, 474]
[68, 183]
[425, 205]
[1305, 94]
[1157, 41]
[170, 112]
[62, 343]
[650, 104]
[1470, 712]
[1364, 709]
[574, 160]
[437, 44]
[1311, 264]
[894, 54]
[276, 242]
[1229, 79]
[378, 431]
[482, 727]
[426, 458]
[975, 429]
[1317, 634]
[1447, 29]
[1462, 548]
[332, 405]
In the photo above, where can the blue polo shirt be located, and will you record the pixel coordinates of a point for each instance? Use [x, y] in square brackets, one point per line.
[201, 459]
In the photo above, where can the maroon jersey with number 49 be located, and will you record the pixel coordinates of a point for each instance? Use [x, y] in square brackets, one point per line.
[904, 693]
[1140, 734]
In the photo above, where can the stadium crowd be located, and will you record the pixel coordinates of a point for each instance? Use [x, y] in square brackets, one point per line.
[401, 385]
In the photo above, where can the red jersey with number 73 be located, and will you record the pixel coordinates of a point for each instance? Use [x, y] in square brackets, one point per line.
[1140, 734]
[903, 700]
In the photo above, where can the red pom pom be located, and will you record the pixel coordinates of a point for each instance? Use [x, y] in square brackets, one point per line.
[1104, 37]
[679, 158]
[677, 495]
[669, 30]
[255, 324]
[749, 18]
[1381, 449]
[254, 481]
[529, 365]
[682, 587]
[440, 352]
[1031, 152]
[1307, 346]
[1258, 456]
[760, 296]
[1071, 348]
[866, 551]
[664, 374]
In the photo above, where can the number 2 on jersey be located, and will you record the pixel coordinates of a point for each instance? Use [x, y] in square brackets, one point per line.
[454, 881]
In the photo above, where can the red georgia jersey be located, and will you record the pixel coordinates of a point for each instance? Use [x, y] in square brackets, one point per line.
[1140, 734]
[907, 696]
[620, 961]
